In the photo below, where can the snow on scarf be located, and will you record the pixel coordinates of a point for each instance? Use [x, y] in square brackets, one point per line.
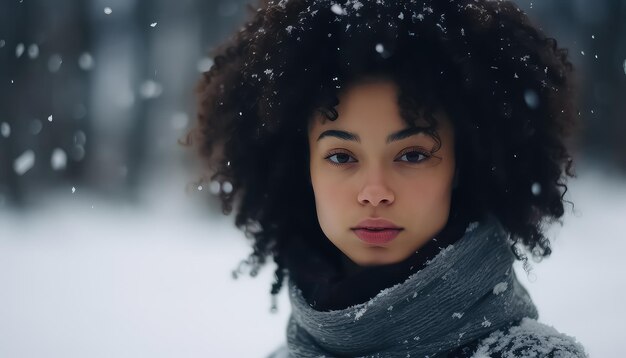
[466, 292]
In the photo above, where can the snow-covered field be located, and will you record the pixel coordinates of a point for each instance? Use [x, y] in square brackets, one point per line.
[83, 277]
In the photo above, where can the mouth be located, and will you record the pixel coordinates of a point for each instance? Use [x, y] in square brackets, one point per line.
[376, 235]
[376, 228]
[376, 224]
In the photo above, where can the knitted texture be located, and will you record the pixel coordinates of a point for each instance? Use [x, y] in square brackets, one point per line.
[530, 339]
[466, 292]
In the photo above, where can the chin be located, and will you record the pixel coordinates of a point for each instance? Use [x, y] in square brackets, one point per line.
[376, 256]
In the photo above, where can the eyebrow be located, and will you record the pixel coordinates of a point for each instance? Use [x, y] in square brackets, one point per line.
[393, 137]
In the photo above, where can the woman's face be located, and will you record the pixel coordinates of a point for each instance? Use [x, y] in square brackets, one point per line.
[360, 171]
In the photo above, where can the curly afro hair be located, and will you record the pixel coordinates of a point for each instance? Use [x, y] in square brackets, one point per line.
[507, 88]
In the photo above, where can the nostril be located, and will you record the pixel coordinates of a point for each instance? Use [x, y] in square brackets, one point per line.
[375, 197]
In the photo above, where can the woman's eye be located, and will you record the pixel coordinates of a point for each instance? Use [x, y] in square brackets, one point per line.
[414, 156]
[341, 158]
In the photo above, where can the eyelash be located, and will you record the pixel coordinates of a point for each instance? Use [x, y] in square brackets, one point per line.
[411, 150]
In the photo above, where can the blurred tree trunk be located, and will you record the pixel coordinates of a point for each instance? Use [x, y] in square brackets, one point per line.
[44, 80]
[604, 87]
[614, 72]
[10, 69]
[145, 13]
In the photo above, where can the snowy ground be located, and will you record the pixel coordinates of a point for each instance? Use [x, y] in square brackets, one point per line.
[81, 277]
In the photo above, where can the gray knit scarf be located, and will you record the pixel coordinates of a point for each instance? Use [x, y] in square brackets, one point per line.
[467, 291]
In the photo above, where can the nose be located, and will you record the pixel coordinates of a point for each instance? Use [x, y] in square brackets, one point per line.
[376, 191]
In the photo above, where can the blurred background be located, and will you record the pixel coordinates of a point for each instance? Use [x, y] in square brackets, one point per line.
[111, 247]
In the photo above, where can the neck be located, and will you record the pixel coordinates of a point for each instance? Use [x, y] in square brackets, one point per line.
[349, 267]
[436, 310]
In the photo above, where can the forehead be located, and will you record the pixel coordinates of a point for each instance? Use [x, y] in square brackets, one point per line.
[371, 103]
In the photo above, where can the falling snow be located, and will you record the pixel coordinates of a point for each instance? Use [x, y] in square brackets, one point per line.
[35, 126]
[150, 89]
[227, 187]
[58, 160]
[536, 189]
[215, 187]
[54, 63]
[85, 61]
[337, 9]
[19, 50]
[24, 162]
[180, 120]
[33, 51]
[204, 64]
[5, 129]
[531, 98]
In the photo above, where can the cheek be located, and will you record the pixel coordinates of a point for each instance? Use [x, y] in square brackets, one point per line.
[428, 193]
[331, 202]
[330, 194]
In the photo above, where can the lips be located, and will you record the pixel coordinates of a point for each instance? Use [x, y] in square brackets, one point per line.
[376, 231]
[376, 224]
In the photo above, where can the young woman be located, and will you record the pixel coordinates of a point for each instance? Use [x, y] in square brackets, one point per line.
[394, 158]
